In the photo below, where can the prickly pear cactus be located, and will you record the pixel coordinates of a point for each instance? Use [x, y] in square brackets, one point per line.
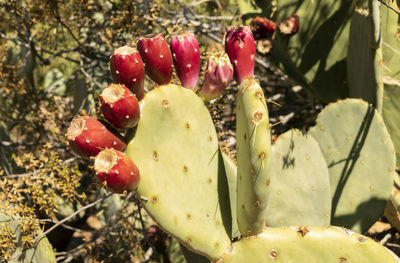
[391, 111]
[40, 253]
[307, 244]
[390, 37]
[316, 56]
[364, 59]
[298, 172]
[392, 209]
[183, 183]
[231, 175]
[361, 159]
[253, 151]
[391, 62]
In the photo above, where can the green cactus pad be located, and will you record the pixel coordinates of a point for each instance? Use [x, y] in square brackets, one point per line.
[299, 192]
[392, 211]
[182, 178]
[231, 175]
[391, 111]
[364, 71]
[361, 159]
[308, 244]
[253, 151]
[390, 37]
[42, 252]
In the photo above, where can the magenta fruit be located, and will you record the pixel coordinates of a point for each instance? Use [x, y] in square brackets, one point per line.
[218, 74]
[186, 56]
[241, 49]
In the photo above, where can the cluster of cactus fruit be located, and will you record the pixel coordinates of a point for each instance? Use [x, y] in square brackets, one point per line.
[90, 137]
[277, 203]
[264, 29]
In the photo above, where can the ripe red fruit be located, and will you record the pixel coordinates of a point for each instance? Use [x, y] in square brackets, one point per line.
[241, 49]
[157, 58]
[290, 25]
[117, 171]
[186, 55]
[262, 27]
[127, 68]
[120, 106]
[87, 137]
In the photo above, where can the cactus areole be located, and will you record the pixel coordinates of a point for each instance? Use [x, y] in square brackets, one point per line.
[116, 171]
[186, 55]
[87, 137]
[241, 49]
[217, 76]
[127, 68]
[120, 106]
[157, 58]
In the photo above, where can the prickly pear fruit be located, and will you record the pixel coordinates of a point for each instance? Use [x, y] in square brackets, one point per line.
[218, 74]
[157, 58]
[262, 27]
[120, 106]
[87, 137]
[186, 55]
[241, 49]
[264, 46]
[127, 68]
[290, 25]
[116, 170]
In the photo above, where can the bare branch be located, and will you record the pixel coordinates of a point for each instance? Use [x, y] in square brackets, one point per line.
[70, 216]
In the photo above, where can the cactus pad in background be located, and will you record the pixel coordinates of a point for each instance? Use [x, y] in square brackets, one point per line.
[361, 70]
[127, 68]
[308, 244]
[186, 56]
[253, 152]
[299, 191]
[391, 111]
[392, 209]
[231, 175]
[157, 58]
[391, 62]
[40, 253]
[361, 160]
[390, 37]
[241, 49]
[183, 183]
